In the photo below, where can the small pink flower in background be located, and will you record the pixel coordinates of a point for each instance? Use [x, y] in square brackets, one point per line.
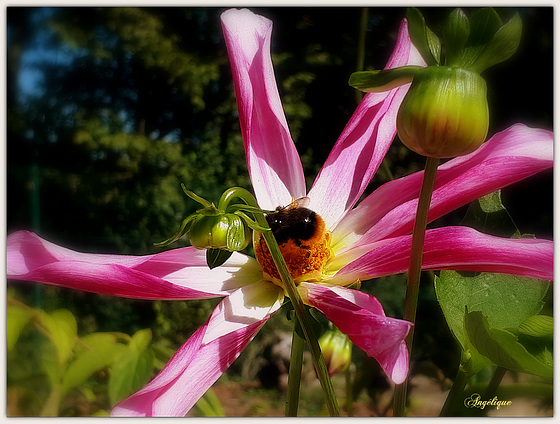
[368, 241]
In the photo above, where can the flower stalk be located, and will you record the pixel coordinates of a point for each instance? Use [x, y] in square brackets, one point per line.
[415, 268]
[301, 312]
[294, 374]
[455, 393]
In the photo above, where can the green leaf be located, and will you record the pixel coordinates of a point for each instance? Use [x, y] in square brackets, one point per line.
[209, 405]
[383, 80]
[62, 330]
[503, 347]
[489, 215]
[141, 340]
[101, 354]
[506, 300]
[216, 257]
[541, 326]
[456, 32]
[133, 368]
[484, 23]
[502, 46]
[17, 318]
[419, 34]
[48, 357]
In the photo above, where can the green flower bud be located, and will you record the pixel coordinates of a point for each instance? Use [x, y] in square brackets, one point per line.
[445, 112]
[219, 231]
[337, 350]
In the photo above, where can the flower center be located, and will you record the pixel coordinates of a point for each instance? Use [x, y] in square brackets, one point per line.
[303, 241]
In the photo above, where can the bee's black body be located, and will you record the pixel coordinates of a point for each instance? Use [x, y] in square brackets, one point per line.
[293, 222]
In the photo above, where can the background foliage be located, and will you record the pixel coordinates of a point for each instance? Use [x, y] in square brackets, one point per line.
[111, 109]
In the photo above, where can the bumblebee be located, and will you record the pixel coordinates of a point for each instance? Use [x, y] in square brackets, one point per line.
[295, 222]
[302, 238]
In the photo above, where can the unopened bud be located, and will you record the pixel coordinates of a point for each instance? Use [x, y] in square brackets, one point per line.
[337, 350]
[445, 112]
[220, 231]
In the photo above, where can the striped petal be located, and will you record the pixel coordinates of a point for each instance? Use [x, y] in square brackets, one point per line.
[362, 318]
[508, 157]
[175, 274]
[197, 365]
[363, 144]
[274, 165]
[458, 248]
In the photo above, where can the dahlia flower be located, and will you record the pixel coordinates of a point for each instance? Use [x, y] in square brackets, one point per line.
[364, 242]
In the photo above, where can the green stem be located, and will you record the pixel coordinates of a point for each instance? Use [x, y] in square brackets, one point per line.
[289, 285]
[455, 393]
[494, 382]
[415, 268]
[294, 376]
[493, 386]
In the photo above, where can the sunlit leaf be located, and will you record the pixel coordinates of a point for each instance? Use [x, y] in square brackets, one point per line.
[132, 368]
[16, 319]
[101, 352]
[62, 330]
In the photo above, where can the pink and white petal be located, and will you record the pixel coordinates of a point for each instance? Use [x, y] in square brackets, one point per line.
[187, 267]
[363, 144]
[191, 371]
[362, 318]
[457, 248]
[177, 274]
[246, 306]
[274, 165]
[508, 157]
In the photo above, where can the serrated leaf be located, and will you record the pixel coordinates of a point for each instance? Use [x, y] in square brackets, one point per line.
[16, 319]
[419, 35]
[541, 326]
[48, 355]
[382, 80]
[89, 362]
[141, 340]
[90, 341]
[62, 330]
[502, 346]
[456, 32]
[216, 257]
[130, 372]
[501, 47]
